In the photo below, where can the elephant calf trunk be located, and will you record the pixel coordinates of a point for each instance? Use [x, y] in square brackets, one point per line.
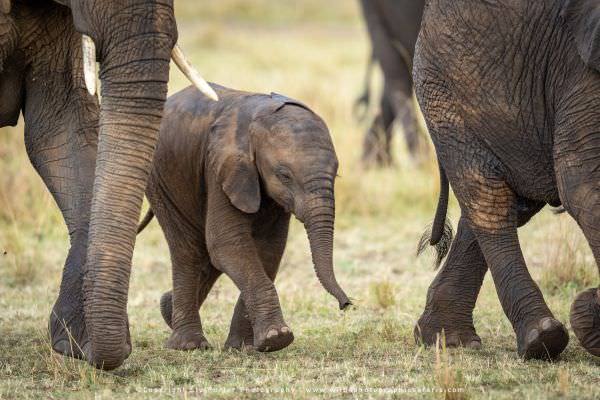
[319, 227]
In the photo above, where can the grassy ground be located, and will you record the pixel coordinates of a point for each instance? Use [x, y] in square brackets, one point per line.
[314, 51]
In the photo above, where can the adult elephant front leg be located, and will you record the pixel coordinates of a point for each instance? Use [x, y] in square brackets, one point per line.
[61, 122]
[65, 160]
[577, 166]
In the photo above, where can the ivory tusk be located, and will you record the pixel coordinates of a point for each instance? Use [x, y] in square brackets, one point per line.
[89, 63]
[192, 74]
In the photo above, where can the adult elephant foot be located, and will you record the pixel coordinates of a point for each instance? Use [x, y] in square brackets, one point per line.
[542, 340]
[585, 320]
[68, 334]
[188, 338]
[275, 337]
[66, 329]
[430, 327]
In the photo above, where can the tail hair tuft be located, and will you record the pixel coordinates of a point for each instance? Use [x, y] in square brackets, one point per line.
[441, 246]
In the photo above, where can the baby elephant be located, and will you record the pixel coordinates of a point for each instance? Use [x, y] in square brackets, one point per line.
[227, 176]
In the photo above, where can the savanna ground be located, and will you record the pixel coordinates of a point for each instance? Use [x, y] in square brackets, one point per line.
[314, 51]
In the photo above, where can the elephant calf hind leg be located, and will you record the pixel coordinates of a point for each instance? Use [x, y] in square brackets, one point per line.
[193, 277]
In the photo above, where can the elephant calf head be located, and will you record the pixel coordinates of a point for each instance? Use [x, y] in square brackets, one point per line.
[276, 147]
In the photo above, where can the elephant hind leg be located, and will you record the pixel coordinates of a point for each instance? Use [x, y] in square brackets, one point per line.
[192, 273]
[452, 295]
[492, 211]
[193, 278]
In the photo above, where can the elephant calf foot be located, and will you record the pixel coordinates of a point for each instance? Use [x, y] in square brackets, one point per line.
[239, 342]
[240, 338]
[545, 340]
[585, 320]
[273, 338]
[427, 331]
[187, 339]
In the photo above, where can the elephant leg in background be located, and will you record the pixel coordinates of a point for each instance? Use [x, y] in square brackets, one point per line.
[377, 150]
[270, 244]
[492, 210]
[232, 251]
[578, 175]
[452, 294]
[407, 116]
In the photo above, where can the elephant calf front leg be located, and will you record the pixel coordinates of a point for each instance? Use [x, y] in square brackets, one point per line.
[258, 301]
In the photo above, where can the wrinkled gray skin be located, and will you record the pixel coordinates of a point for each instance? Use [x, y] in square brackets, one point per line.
[393, 27]
[510, 91]
[96, 178]
[226, 178]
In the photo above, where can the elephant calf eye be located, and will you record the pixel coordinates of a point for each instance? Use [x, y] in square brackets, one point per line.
[284, 176]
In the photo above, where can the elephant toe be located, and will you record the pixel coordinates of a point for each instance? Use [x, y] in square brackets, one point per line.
[275, 338]
[545, 341]
[187, 340]
[428, 333]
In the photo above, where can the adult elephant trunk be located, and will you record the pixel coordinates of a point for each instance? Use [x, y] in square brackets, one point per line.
[319, 223]
[134, 75]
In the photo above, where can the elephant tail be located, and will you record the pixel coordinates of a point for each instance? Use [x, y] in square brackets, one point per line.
[144, 223]
[439, 234]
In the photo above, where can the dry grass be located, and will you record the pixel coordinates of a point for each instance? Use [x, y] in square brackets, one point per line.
[449, 377]
[314, 51]
[383, 294]
[567, 264]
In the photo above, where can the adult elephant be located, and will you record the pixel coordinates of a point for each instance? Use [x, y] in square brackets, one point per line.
[393, 26]
[97, 180]
[510, 91]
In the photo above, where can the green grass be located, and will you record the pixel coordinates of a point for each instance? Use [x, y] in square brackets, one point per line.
[314, 51]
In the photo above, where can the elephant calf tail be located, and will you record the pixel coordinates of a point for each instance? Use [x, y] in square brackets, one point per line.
[144, 223]
[439, 234]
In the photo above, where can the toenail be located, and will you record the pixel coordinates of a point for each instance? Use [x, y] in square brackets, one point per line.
[271, 333]
[533, 335]
[547, 324]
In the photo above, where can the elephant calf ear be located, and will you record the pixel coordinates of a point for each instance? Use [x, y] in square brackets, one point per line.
[5, 6]
[583, 18]
[239, 178]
